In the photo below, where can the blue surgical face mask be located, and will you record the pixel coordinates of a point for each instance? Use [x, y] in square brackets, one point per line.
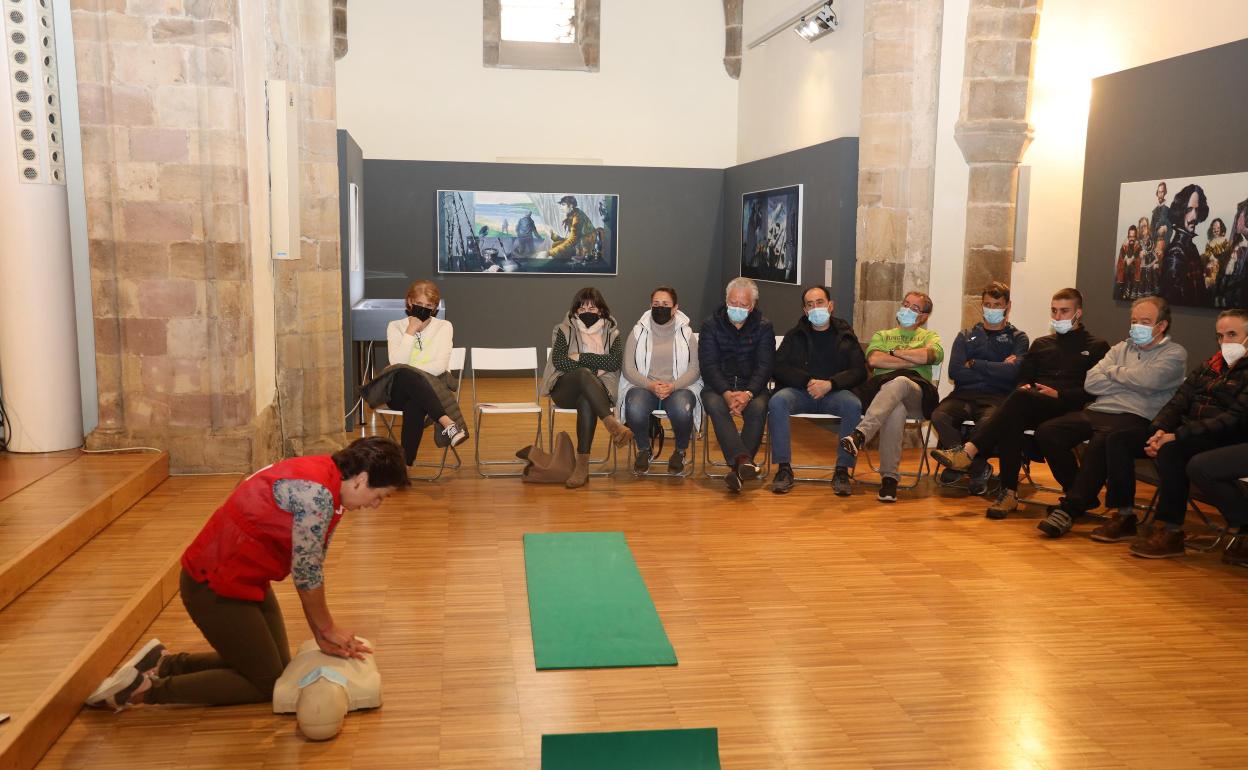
[1141, 334]
[738, 314]
[819, 316]
[907, 317]
[994, 315]
[1062, 326]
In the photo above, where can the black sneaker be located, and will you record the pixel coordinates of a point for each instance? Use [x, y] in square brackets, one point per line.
[746, 469]
[949, 477]
[842, 486]
[854, 442]
[676, 463]
[1057, 523]
[888, 490]
[979, 478]
[642, 463]
[732, 480]
[783, 481]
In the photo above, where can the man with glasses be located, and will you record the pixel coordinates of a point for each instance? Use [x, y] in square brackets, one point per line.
[1050, 385]
[984, 366]
[900, 387]
[817, 366]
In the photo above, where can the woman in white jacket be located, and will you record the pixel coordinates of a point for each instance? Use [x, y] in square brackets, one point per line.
[424, 342]
[661, 372]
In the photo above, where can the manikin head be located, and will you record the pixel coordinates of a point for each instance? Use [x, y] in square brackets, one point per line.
[322, 705]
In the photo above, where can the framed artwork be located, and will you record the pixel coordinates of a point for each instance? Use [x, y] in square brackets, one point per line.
[1184, 238]
[771, 235]
[527, 232]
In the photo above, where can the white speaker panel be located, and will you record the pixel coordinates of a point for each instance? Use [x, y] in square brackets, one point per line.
[30, 63]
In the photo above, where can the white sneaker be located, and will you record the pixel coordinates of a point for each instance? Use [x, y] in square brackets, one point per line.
[128, 676]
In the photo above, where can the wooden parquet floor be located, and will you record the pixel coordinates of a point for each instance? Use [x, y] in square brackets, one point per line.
[813, 631]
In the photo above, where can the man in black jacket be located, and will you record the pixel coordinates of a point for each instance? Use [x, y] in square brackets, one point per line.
[817, 365]
[736, 350]
[1050, 385]
[1209, 410]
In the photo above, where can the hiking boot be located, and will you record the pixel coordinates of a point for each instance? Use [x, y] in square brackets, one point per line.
[1160, 543]
[842, 486]
[979, 478]
[1005, 503]
[888, 490]
[676, 463]
[948, 477]
[642, 463]
[1120, 527]
[1057, 523]
[1236, 553]
[783, 481]
[854, 442]
[746, 469]
[954, 458]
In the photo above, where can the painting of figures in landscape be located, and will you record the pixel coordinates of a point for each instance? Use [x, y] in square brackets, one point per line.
[771, 235]
[1185, 238]
[527, 232]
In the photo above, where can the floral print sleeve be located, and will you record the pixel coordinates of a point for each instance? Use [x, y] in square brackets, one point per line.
[311, 508]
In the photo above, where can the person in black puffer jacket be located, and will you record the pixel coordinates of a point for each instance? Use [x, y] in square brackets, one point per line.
[1209, 410]
[817, 366]
[736, 350]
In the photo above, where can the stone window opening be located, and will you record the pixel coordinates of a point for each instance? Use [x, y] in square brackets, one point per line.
[541, 34]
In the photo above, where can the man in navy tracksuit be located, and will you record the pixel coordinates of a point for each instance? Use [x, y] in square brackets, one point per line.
[984, 367]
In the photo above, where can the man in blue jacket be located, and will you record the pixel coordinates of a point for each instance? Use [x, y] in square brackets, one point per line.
[984, 368]
[736, 350]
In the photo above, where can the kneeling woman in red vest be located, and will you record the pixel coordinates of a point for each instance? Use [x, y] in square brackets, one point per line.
[277, 522]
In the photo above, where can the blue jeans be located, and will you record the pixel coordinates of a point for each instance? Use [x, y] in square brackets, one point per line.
[790, 401]
[639, 403]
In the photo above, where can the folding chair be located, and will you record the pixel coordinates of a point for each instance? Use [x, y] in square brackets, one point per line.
[552, 410]
[389, 417]
[503, 360]
[923, 429]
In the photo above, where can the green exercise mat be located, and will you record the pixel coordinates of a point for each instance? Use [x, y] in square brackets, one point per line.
[642, 750]
[588, 606]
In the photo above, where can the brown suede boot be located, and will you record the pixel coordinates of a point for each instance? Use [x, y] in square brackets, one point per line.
[580, 473]
[620, 434]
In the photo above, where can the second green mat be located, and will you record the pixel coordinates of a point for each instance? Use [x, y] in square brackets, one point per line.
[588, 606]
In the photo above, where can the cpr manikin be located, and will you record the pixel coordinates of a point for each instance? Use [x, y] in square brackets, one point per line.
[320, 689]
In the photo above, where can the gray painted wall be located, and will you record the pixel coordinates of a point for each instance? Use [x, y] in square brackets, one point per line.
[829, 173]
[1192, 124]
[669, 232]
[351, 169]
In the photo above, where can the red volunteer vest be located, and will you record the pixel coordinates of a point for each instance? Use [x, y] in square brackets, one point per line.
[246, 544]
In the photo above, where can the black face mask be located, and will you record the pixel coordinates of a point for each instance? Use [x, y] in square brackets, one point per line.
[419, 313]
[661, 315]
[589, 319]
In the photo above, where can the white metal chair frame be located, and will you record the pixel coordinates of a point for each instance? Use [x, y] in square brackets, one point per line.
[502, 360]
[610, 457]
[389, 417]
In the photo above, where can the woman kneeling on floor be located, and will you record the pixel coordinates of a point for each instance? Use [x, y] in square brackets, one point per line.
[277, 522]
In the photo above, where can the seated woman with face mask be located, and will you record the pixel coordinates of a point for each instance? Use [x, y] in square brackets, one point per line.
[583, 373]
[423, 342]
[660, 372]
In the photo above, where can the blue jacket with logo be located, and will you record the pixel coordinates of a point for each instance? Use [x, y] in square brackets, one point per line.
[988, 349]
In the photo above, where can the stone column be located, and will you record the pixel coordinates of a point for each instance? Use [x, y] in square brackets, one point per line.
[162, 138]
[993, 133]
[733, 10]
[308, 290]
[896, 156]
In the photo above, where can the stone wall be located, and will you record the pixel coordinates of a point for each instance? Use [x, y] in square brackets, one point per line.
[897, 148]
[161, 103]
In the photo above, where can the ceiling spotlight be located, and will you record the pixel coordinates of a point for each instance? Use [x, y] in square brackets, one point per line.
[815, 25]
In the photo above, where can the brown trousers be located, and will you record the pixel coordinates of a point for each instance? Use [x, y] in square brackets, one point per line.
[251, 651]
